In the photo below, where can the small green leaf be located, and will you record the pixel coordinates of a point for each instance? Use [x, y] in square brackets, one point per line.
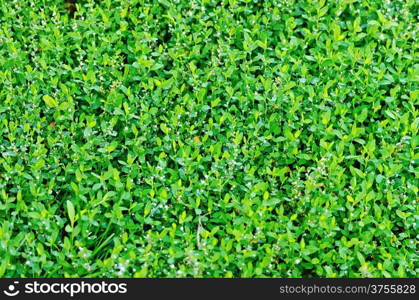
[49, 101]
[71, 212]
[164, 128]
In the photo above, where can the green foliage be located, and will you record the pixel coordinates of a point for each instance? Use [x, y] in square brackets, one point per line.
[208, 138]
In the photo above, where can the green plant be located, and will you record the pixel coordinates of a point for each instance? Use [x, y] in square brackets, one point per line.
[208, 138]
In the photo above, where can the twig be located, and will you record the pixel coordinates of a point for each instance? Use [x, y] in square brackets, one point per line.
[198, 232]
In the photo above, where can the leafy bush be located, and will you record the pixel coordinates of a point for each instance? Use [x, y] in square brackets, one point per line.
[208, 138]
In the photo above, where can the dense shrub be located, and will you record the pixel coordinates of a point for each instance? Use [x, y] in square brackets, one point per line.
[208, 138]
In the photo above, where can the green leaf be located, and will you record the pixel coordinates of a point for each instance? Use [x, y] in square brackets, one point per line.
[363, 115]
[71, 212]
[164, 128]
[49, 101]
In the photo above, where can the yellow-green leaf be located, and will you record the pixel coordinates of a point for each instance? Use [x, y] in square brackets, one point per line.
[71, 212]
[49, 101]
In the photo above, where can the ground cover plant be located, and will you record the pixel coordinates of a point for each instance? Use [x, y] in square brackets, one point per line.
[204, 138]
